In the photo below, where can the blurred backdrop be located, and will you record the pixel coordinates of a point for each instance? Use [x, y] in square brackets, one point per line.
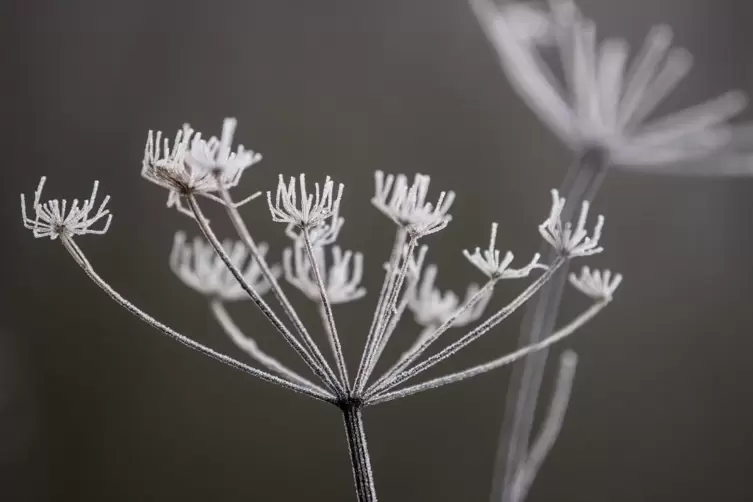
[95, 406]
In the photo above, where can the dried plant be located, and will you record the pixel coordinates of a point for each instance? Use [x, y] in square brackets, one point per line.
[234, 270]
[602, 110]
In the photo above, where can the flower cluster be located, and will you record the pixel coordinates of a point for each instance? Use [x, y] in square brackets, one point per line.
[54, 218]
[596, 284]
[342, 274]
[488, 261]
[193, 166]
[406, 204]
[566, 239]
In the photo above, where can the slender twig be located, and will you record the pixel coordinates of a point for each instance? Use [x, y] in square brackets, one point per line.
[416, 351]
[549, 430]
[255, 297]
[474, 334]
[326, 305]
[80, 258]
[245, 235]
[250, 347]
[494, 364]
[366, 356]
[390, 311]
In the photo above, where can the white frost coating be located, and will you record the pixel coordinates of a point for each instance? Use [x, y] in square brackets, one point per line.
[488, 261]
[406, 204]
[215, 156]
[314, 209]
[53, 218]
[602, 104]
[567, 240]
[596, 284]
[201, 269]
[341, 275]
[167, 166]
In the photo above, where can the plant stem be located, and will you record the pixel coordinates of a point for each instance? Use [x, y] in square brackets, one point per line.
[582, 181]
[359, 453]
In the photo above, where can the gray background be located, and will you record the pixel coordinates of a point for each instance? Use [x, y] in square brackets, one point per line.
[94, 406]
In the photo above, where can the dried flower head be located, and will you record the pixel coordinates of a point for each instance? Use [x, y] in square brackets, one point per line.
[53, 218]
[596, 284]
[431, 307]
[315, 208]
[201, 268]
[564, 238]
[341, 277]
[216, 156]
[406, 204]
[168, 167]
[602, 105]
[488, 261]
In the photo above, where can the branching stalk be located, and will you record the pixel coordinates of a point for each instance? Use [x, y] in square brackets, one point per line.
[250, 347]
[326, 305]
[474, 334]
[494, 364]
[245, 235]
[80, 258]
[255, 297]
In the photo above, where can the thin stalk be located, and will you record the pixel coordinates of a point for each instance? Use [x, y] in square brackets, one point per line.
[582, 182]
[474, 334]
[496, 363]
[326, 305]
[250, 347]
[245, 235]
[423, 344]
[380, 313]
[382, 343]
[80, 258]
[363, 475]
[255, 297]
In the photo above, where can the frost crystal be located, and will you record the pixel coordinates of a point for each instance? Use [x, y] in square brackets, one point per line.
[564, 238]
[201, 268]
[596, 284]
[53, 218]
[602, 105]
[488, 262]
[406, 204]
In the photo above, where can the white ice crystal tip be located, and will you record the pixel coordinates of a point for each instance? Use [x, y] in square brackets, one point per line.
[53, 218]
[431, 307]
[341, 276]
[488, 261]
[217, 156]
[201, 268]
[314, 209]
[569, 241]
[186, 171]
[406, 204]
[596, 284]
[603, 102]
